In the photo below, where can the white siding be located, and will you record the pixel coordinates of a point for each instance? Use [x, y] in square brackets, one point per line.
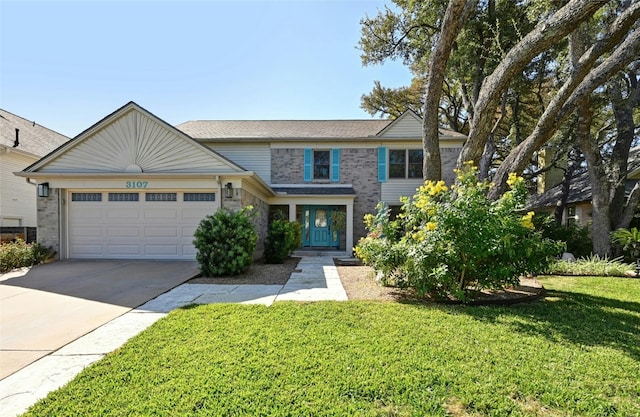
[391, 191]
[252, 157]
[136, 139]
[17, 197]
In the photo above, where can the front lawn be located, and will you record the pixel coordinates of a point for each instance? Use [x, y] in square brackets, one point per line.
[577, 353]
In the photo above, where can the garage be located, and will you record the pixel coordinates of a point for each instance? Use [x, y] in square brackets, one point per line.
[134, 187]
[154, 224]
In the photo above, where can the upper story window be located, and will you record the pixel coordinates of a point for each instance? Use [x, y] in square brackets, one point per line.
[405, 163]
[321, 165]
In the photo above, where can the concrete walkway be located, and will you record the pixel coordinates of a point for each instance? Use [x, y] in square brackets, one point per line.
[317, 280]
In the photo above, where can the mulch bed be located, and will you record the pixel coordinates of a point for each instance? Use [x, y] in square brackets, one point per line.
[359, 284]
[260, 273]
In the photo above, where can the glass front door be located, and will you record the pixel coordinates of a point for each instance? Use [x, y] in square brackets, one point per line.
[317, 227]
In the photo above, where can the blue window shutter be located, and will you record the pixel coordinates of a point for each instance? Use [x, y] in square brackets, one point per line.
[382, 164]
[308, 163]
[335, 165]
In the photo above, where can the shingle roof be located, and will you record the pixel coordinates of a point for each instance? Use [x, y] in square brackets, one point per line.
[274, 129]
[580, 189]
[33, 138]
[314, 190]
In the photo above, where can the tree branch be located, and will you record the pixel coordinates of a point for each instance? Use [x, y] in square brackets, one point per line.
[543, 37]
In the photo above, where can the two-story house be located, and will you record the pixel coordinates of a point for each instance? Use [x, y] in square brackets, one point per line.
[22, 142]
[133, 186]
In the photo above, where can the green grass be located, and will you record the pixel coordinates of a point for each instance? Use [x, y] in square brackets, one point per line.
[575, 354]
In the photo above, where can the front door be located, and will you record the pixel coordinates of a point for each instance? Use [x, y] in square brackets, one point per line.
[317, 227]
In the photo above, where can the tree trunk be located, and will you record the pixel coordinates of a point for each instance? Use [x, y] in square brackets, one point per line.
[572, 164]
[600, 228]
[623, 108]
[455, 16]
[543, 37]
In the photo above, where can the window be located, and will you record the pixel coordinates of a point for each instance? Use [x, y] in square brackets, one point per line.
[321, 165]
[571, 216]
[160, 197]
[123, 197]
[397, 163]
[199, 197]
[321, 218]
[405, 163]
[86, 196]
[414, 169]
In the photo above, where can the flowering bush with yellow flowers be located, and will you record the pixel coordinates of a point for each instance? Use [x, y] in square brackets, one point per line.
[452, 242]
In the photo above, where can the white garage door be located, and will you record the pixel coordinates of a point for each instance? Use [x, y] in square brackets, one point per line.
[136, 225]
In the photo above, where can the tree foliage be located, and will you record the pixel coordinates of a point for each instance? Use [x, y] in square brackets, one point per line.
[518, 77]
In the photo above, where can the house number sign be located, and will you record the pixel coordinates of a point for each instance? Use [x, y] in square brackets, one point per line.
[136, 184]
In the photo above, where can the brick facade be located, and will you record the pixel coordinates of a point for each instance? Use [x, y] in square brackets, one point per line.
[287, 166]
[358, 166]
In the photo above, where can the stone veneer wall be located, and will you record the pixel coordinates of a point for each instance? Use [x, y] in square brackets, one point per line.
[261, 221]
[242, 198]
[49, 220]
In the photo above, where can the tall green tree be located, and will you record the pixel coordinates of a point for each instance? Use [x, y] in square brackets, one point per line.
[518, 86]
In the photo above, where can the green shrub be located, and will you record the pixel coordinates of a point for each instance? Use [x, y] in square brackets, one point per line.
[19, 254]
[592, 266]
[576, 238]
[629, 241]
[282, 239]
[225, 242]
[455, 242]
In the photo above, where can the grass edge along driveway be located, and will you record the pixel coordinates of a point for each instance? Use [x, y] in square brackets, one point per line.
[576, 353]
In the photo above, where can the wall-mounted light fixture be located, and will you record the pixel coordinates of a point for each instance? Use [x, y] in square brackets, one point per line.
[228, 190]
[43, 189]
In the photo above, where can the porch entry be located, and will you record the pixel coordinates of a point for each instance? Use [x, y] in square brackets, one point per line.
[316, 227]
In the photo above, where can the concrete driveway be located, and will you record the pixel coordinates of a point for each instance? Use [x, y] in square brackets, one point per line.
[49, 306]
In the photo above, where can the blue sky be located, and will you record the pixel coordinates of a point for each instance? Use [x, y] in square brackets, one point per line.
[67, 64]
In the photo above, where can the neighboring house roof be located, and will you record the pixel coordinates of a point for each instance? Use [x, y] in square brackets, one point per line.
[32, 138]
[294, 129]
[580, 189]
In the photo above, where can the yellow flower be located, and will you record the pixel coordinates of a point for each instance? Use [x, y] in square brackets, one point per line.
[368, 220]
[431, 226]
[514, 179]
[418, 236]
[526, 220]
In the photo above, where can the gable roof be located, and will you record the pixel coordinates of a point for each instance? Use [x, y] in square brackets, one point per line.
[32, 138]
[131, 139]
[306, 129]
